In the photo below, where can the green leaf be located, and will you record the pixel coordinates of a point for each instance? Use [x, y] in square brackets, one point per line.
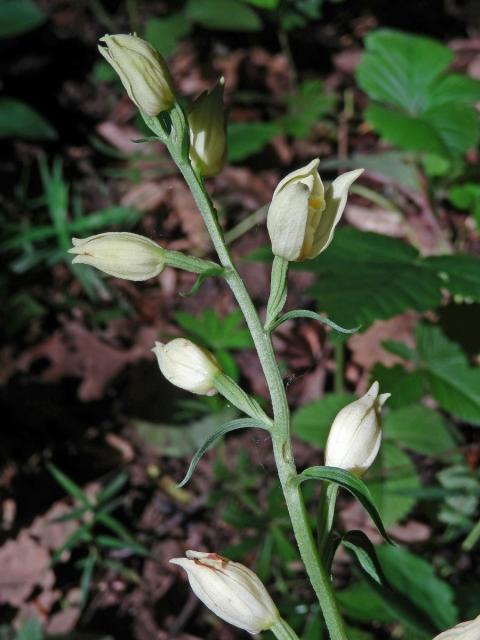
[365, 277]
[113, 487]
[240, 423]
[18, 17]
[360, 546]
[403, 130]
[454, 87]
[415, 578]
[228, 15]
[312, 422]
[397, 67]
[19, 120]
[406, 387]
[350, 482]
[419, 107]
[68, 484]
[165, 33]
[452, 382]
[399, 349]
[82, 534]
[392, 478]
[114, 525]
[86, 579]
[362, 603]
[113, 543]
[466, 196]
[420, 429]
[247, 138]
[305, 313]
[459, 273]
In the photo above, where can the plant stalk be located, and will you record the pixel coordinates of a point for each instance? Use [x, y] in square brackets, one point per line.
[281, 430]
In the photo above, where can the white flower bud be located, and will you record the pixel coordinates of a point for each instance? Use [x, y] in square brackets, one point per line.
[463, 631]
[230, 590]
[356, 433]
[302, 216]
[187, 366]
[142, 70]
[120, 254]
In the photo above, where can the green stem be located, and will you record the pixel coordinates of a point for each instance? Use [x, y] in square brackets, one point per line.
[283, 631]
[281, 429]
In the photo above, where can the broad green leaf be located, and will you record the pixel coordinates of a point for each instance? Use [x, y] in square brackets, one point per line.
[247, 138]
[391, 481]
[364, 277]
[19, 120]
[312, 422]
[454, 87]
[397, 68]
[416, 579]
[418, 106]
[363, 604]
[351, 483]
[406, 131]
[460, 273]
[240, 423]
[466, 196]
[420, 429]
[452, 382]
[399, 349]
[18, 17]
[165, 33]
[456, 124]
[228, 15]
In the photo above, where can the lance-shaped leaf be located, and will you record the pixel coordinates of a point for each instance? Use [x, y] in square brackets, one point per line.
[232, 425]
[306, 313]
[350, 482]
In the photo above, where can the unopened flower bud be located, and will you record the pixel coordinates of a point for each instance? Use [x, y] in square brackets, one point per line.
[120, 254]
[356, 433]
[208, 135]
[302, 216]
[187, 366]
[464, 631]
[142, 70]
[230, 590]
